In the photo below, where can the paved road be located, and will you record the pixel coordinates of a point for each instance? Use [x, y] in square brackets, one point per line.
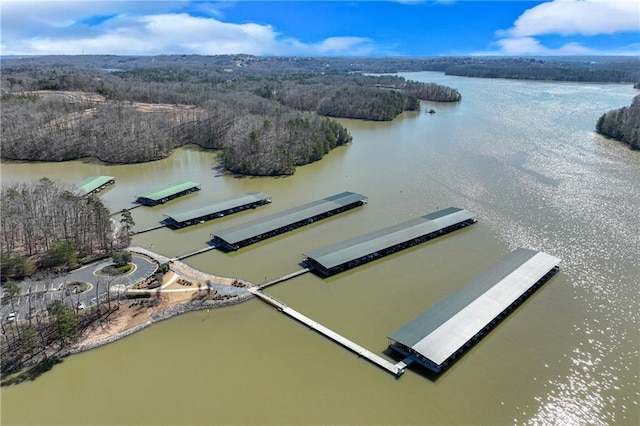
[44, 291]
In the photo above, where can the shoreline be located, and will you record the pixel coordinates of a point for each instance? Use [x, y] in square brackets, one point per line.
[172, 301]
[156, 317]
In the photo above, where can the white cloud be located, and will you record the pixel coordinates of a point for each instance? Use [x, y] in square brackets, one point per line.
[66, 30]
[583, 17]
[567, 18]
[531, 46]
[336, 45]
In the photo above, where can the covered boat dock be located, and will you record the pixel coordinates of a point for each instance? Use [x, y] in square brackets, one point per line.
[221, 208]
[436, 337]
[365, 248]
[252, 232]
[93, 185]
[160, 196]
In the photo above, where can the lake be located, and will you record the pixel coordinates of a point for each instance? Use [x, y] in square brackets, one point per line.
[521, 155]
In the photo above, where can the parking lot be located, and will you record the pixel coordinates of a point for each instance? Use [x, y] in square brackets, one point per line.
[36, 295]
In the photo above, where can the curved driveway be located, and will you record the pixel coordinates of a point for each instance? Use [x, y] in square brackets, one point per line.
[44, 291]
[89, 273]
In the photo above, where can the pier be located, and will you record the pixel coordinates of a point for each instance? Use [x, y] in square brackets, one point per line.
[442, 333]
[394, 369]
[142, 231]
[193, 253]
[245, 234]
[161, 196]
[284, 278]
[126, 208]
[93, 185]
[220, 208]
[366, 248]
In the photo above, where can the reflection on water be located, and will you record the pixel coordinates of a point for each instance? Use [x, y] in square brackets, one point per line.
[521, 155]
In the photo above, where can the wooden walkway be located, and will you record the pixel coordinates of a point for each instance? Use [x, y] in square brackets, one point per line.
[193, 253]
[153, 228]
[394, 369]
[127, 208]
[284, 278]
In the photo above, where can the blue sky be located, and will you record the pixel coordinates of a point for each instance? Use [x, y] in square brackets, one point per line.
[321, 28]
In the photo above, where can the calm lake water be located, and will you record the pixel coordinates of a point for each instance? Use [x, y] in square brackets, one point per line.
[521, 155]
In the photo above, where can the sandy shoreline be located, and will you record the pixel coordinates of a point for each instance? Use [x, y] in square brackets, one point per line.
[203, 291]
[184, 289]
[126, 324]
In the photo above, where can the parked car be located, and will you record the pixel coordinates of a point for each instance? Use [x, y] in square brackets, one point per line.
[11, 317]
[80, 305]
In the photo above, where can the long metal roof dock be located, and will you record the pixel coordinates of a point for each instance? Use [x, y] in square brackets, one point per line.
[160, 196]
[365, 248]
[93, 184]
[220, 208]
[436, 337]
[251, 232]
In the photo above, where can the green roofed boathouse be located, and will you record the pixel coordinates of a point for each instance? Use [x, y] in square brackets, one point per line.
[439, 335]
[221, 208]
[93, 185]
[365, 248]
[161, 196]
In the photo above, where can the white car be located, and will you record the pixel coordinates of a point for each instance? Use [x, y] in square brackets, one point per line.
[80, 305]
[11, 317]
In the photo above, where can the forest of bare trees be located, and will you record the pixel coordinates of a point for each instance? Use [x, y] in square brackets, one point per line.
[44, 224]
[558, 68]
[264, 125]
[622, 124]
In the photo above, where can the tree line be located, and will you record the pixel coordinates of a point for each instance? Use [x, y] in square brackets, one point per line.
[52, 326]
[263, 125]
[222, 67]
[46, 226]
[622, 124]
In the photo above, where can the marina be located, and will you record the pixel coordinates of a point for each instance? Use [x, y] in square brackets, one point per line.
[245, 234]
[161, 196]
[567, 356]
[443, 332]
[366, 248]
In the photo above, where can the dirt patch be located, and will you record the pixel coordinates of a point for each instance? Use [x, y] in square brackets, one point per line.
[131, 314]
[78, 97]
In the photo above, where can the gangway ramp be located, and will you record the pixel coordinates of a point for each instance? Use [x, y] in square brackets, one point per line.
[284, 278]
[394, 369]
[199, 251]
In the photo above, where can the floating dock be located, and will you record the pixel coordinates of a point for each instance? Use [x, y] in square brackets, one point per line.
[394, 369]
[160, 196]
[365, 248]
[93, 185]
[446, 330]
[252, 232]
[220, 208]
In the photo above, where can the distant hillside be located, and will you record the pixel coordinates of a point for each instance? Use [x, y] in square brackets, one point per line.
[595, 69]
[263, 125]
[622, 124]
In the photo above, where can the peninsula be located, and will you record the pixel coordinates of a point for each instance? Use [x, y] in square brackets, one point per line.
[264, 124]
